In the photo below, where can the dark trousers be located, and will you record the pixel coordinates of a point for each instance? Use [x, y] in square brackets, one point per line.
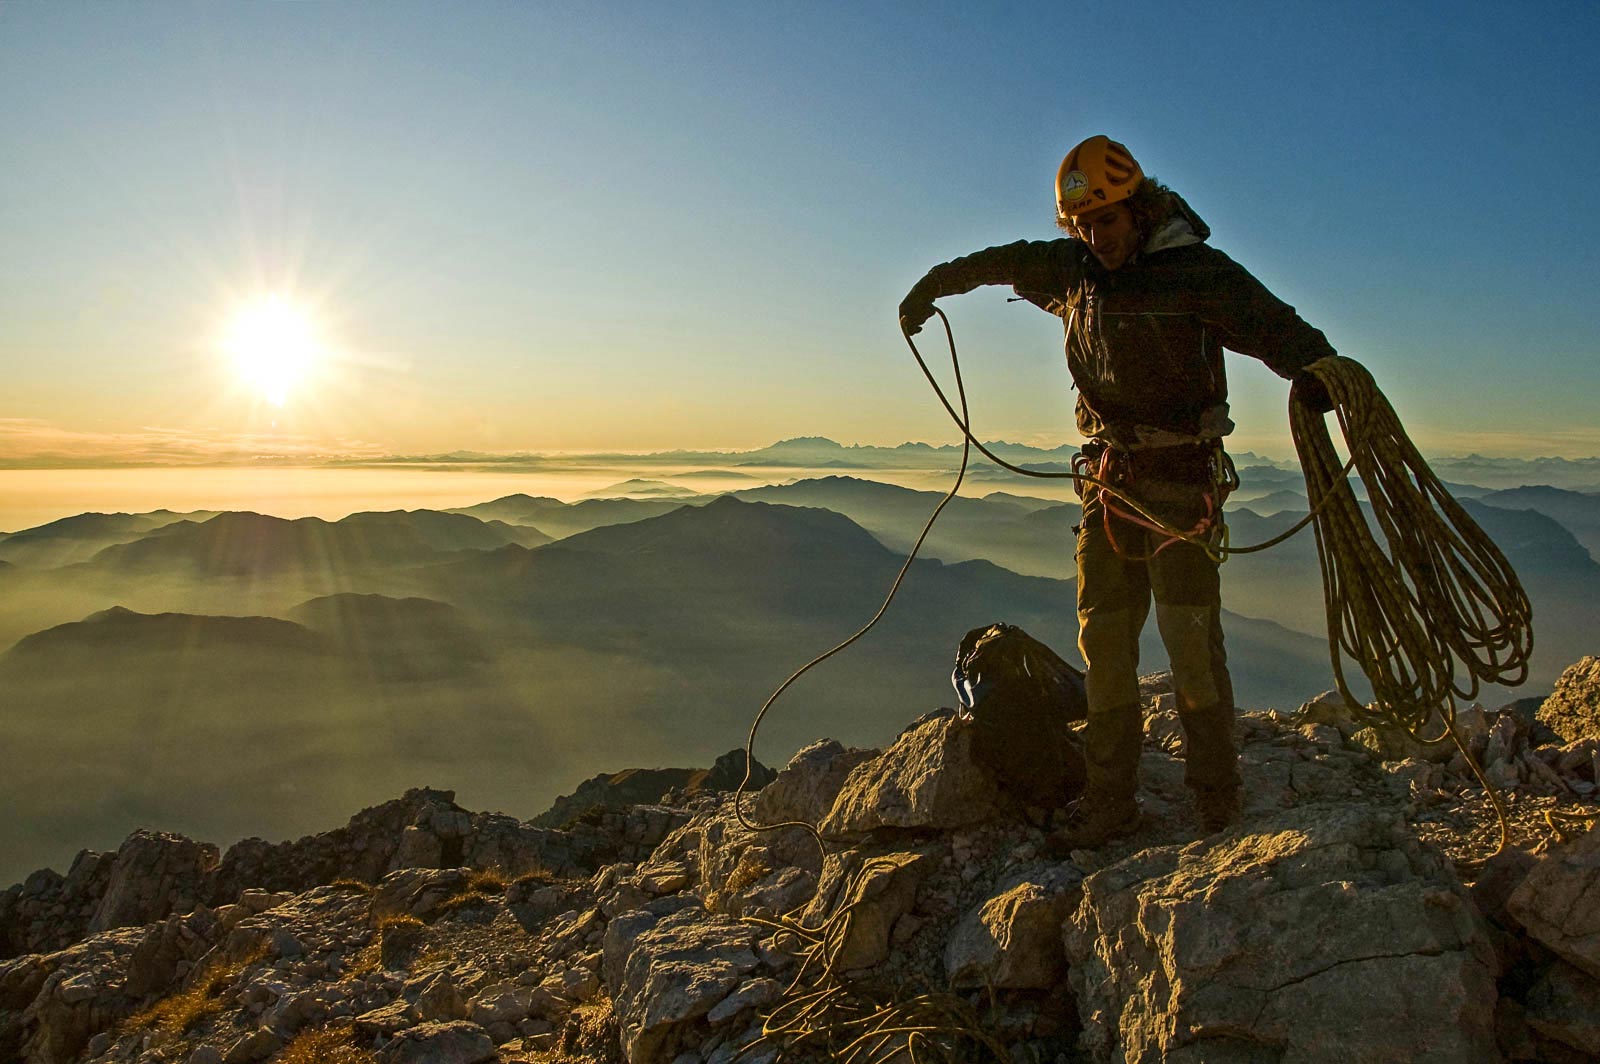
[1115, 588]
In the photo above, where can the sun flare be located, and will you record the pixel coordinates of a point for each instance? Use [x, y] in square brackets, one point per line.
[273, 346]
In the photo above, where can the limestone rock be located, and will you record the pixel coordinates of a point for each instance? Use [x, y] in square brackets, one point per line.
[72, 995]
[1012, 941]
[624, 930]
[678, 970]
[1321, 933]
[501, 1003]
[153, 876]
[883, 888]
[439, 999]
[646, 786]
[418, 891]
[1559, 901]
[460, 1042]
[926, 779]
[1565, 1005]
[251, 1047]
[1573, 709]
[806, 787]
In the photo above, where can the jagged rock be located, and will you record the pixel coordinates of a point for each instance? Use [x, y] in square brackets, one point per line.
[419, 848]
[1331, 708]
[926, 779]
[167, 945]
[664, 877]
[756, 994]
[461, 1042]
[1386, 741]
[439, 999]
[736, 868]
[648, 786]
[1269, 942]
[1012, 941]
[249, 1048]
[1565, 1005]
[678, 970]
[882, 888]
[500, 1003]
[153, 876]
[384, 1020]
[624, 930]
[1559, 901]
[807, 786]
[362, 850]
[79, 994]
[1573, 709]
[418, 891]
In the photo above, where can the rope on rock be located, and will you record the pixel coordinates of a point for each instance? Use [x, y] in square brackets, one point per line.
[841, 1019]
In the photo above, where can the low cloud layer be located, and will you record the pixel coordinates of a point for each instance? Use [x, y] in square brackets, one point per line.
[27, 443]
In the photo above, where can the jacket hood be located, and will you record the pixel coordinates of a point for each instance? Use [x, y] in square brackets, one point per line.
[1182, 227]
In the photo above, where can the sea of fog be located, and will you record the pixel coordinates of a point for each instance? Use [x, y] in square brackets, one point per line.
[31, 497]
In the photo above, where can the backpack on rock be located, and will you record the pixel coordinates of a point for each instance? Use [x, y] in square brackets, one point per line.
[1019, 697]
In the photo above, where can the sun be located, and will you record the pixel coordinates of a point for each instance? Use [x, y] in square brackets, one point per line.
[273, 346]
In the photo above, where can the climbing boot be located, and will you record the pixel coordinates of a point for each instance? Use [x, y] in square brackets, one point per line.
[1216, 807]
[1096, 823]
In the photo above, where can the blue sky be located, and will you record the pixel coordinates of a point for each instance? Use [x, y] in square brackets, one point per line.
[558, 227]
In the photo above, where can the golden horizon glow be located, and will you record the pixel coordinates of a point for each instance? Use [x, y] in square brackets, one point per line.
[273, 345]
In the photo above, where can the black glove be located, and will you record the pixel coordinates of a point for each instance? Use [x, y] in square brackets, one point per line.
[1309, 390]
[917, 306]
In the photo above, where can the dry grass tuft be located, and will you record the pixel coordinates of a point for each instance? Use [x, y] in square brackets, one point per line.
[326, 1045]
[481, 888]
[395, 920]
[359, 886]
[180, 1012]
[537, 875]
[750, 869]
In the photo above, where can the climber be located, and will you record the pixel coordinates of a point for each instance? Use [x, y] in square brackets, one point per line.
[1148, 307]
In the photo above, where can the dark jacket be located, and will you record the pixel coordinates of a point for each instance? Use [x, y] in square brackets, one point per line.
[1144, 342]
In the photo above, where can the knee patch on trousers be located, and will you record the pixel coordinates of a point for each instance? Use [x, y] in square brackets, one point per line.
[1187, 633]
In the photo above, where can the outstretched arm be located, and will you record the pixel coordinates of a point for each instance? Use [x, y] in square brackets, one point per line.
[1028, 265]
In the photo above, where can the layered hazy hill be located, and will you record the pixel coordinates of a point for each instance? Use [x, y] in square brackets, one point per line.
[508, 671]
[563, 519]
[1578, 512]
[79, 538]
[247, 545]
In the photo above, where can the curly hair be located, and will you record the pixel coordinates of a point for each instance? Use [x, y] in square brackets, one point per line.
[1151, 204]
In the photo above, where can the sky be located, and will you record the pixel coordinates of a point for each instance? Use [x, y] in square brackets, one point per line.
[566, 227]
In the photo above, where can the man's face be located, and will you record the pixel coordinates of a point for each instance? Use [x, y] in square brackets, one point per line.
[1110, 234]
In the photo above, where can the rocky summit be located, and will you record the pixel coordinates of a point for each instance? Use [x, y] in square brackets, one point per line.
[1356, 912]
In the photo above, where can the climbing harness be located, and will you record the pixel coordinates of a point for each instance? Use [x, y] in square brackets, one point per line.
[1114, 466]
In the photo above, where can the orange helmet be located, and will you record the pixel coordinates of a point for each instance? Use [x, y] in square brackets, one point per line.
[1096, 173]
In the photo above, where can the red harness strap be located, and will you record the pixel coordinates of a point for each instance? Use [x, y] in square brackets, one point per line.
[1111, 471]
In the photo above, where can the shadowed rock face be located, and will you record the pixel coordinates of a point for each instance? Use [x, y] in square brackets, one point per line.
[645, 786]
[1319, 927]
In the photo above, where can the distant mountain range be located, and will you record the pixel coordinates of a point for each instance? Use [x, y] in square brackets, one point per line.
[820, 452]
